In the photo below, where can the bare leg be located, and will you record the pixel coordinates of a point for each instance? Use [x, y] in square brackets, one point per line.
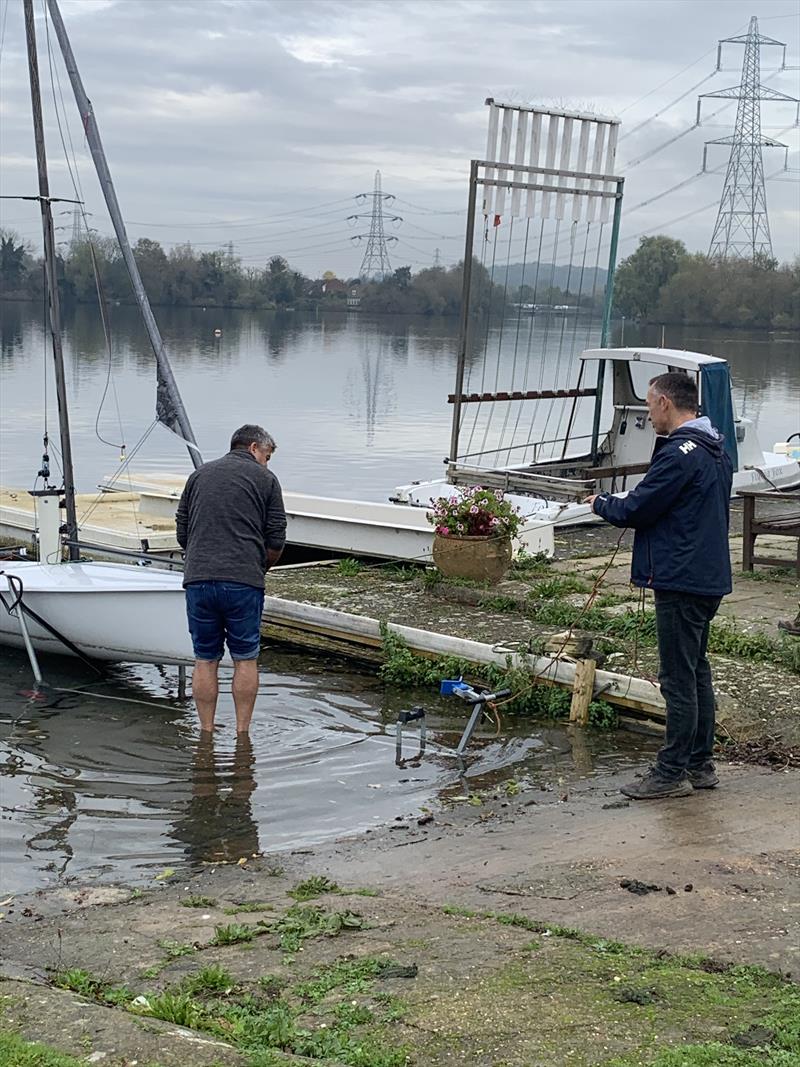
[245, 689]
[205, 688]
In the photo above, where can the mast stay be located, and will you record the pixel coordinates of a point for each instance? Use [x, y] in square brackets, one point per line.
[170, 410]
[51, 283]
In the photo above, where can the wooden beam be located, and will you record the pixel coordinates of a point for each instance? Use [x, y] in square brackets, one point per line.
[309, 625]
[612, 472]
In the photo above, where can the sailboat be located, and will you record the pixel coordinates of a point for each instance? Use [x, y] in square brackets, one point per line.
[101, 611]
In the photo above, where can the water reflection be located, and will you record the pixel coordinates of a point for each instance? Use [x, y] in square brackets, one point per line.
[218, 825]
[358, 403]
[115, 783]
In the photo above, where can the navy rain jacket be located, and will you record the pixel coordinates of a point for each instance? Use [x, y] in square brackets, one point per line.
[680, 511]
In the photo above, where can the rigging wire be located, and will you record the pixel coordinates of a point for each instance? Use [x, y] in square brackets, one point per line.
[516, 336]
[74, 174]
[531, 332]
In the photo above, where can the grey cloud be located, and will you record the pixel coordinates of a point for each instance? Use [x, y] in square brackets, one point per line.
[213, 110]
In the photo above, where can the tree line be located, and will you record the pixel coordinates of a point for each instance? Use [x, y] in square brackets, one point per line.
[662, 282]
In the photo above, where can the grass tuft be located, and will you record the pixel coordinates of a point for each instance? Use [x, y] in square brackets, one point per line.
[233, 934]
[313, 887]
[197, 901]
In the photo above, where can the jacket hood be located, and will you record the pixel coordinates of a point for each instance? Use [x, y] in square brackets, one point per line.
[702, 433]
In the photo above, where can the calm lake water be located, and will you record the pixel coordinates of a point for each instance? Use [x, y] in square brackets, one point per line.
[357, 404]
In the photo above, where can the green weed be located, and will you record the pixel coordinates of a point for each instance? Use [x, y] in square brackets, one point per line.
[79, 981]
[15, 1051]
[560, 585]
[248, 906]
[304, 921]
[348, 976]
[197, 901]
[500, 604]
[233, 934]
[403, 572]
[348, 568]
[173, 950]
[172, 1007]
[530, 565]
[211, 979]
[313, 887]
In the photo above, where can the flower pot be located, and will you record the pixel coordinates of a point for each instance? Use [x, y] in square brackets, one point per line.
[482, 559]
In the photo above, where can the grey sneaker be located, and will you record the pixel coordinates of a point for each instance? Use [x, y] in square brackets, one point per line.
[654, 786]
[704, 777]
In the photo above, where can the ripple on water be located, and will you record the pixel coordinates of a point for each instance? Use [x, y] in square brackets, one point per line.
[100, 788]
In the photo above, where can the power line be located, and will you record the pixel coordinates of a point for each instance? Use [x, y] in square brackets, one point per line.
[666, 107]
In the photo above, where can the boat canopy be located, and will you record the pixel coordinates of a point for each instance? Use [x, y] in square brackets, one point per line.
[671, 357]
[714, 385]
[717, 403]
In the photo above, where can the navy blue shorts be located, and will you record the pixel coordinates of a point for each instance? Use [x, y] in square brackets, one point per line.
[224, 611]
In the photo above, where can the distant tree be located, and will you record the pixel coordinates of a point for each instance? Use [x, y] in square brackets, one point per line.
[402, 277]
[151, 259]
[277, 265]
[640, 278]
[13, 264]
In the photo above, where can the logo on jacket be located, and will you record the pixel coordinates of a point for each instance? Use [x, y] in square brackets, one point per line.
[687, 447]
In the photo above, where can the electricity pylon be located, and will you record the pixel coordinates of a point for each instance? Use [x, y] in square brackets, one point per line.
[375, 263]
[742, 226]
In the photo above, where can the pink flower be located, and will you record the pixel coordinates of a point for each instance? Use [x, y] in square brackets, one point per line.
[473, 510]
[444, 530]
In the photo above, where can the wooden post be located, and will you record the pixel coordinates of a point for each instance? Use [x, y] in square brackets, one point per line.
[748, 537]
[582, 691]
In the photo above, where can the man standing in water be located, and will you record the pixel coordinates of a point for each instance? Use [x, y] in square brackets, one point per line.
[680, 512]
[232, 525]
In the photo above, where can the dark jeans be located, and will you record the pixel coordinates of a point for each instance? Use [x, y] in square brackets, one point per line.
[682, 622]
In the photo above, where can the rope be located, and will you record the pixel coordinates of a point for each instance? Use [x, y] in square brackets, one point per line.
[118, 474]
[589, 601]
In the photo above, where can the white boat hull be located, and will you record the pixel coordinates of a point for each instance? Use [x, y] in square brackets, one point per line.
[776, 470]
[110, 611]
[357, 527]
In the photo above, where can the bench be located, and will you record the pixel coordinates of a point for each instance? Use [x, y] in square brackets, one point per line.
[783, 524]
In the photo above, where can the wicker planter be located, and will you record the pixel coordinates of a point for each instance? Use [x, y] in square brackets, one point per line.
[482, 559]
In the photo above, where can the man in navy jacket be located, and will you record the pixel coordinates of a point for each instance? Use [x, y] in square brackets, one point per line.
[680, 512]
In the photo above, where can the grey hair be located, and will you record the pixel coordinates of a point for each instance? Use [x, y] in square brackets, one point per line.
[250, 434]
[679, 387]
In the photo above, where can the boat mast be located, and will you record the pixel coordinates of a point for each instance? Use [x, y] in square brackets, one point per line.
[51, 283]
[166, 377]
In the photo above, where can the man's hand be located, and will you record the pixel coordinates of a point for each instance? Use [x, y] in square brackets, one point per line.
[590, 500]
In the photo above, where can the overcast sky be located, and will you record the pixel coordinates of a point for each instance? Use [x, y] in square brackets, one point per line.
[257, 121]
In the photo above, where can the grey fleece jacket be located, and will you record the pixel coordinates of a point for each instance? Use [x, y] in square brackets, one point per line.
[231, 511]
